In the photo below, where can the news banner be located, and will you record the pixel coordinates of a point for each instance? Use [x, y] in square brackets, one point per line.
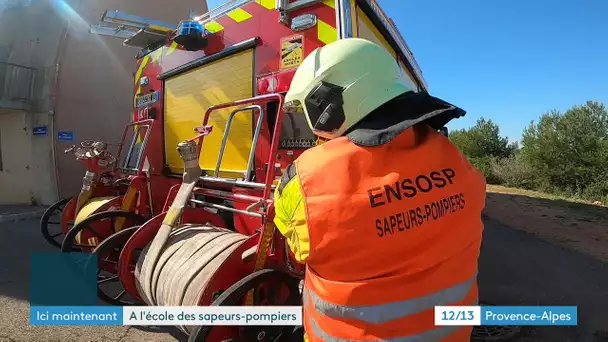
[284, 315]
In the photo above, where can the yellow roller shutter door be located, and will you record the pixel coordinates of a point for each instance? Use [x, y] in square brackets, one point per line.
[187, 97]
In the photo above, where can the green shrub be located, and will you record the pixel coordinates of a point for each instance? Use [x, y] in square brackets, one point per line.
[562, 153]
[484, 164]
[514, 172]
[597, 191]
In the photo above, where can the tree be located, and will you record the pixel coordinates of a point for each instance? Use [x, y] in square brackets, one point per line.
[483, 145]
[483, 140]
[570, 151]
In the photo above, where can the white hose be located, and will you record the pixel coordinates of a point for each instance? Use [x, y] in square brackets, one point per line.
[186, 262]
[173, 270]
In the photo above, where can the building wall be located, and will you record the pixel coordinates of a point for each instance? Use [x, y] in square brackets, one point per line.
[29, 36]
[15, 168]
[95, 92]
[84, 84]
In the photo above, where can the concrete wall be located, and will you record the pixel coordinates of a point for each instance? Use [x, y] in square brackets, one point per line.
[16, 172]
[95, 93]
[29, 36]
[83, 84]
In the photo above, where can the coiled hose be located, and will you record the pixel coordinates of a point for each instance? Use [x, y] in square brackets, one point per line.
[175, 267]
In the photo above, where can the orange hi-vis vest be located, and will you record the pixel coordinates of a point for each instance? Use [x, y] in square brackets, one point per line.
[394, 230]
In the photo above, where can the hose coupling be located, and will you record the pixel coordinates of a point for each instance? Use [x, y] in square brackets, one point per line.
[88, 180]
[188, 152]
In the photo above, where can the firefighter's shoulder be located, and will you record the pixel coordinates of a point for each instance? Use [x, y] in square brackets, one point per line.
[288, 175]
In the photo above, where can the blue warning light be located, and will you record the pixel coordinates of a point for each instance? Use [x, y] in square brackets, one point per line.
[190, 28]
[191, 35]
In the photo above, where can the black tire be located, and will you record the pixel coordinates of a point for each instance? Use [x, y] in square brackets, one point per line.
[115, 242]
[45, 221]
[69, 245]
[234, 294]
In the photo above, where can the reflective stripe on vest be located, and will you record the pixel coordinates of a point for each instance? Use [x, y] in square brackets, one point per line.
[431, 335]
[378, 314]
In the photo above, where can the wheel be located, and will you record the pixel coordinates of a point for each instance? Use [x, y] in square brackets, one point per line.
[97, 228]
[267, 284]
[109, 288]
[50, 223]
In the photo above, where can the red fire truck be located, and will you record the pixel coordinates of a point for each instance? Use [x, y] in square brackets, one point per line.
[213, 69]
[228, 69]
[247, 48]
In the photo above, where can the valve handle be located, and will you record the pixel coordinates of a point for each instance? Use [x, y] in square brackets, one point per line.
[69, 149]
[87, 143]
[111, 159]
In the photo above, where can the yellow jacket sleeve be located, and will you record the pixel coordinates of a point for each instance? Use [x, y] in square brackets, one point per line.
[290, 214]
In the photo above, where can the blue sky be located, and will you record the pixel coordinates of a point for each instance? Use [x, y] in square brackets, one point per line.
[509, 61]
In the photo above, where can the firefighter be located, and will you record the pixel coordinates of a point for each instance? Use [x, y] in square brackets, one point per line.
[386, 214]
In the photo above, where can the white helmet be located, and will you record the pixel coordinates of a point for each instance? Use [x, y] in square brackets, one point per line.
[339, 84]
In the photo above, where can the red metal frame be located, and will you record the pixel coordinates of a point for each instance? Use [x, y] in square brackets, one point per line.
[235, 267]
[152, 187]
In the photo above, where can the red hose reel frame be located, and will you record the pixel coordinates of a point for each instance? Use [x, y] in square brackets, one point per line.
[237, 265]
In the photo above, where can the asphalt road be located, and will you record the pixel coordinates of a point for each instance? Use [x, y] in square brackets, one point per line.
[515, 269]
[519, 269]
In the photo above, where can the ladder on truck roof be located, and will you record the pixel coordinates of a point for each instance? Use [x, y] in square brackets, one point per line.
[137, 31]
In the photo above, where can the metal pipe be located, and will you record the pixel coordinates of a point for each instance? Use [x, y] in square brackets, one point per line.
[225, 140]
[227, 195]
[142, 150]
[244, 184]
[257, 99]
[231, 116]
[254, 143]
[54, 94]
[123, 18]
[128, 156]
[111, 32]
[220, 154]
[222, 207]
[218, 11]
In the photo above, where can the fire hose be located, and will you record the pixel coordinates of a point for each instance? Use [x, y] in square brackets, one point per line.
[175, 267]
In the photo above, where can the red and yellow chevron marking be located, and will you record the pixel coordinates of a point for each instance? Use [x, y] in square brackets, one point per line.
[326, 26]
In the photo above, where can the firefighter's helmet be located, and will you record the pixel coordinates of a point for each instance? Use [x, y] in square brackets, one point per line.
[339, 84]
